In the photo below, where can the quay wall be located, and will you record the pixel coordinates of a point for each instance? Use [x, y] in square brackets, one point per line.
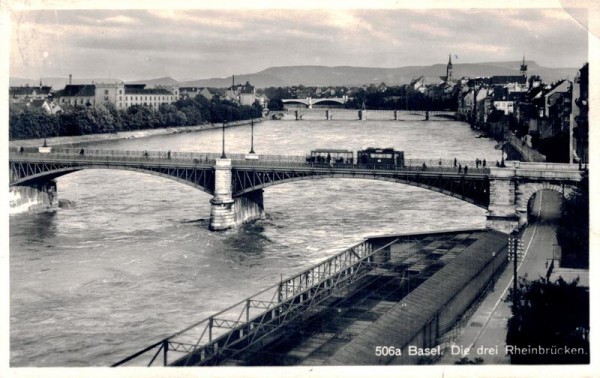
[24, 199]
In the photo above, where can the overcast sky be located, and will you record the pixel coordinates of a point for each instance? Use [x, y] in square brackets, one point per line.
[199, 44]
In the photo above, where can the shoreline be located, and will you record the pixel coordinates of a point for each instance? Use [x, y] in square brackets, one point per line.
[93, 138]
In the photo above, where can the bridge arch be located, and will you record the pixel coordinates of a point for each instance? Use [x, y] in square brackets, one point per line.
[527, 191]
[326, 101]
[295, 102]
[398, 180]
[56, 173]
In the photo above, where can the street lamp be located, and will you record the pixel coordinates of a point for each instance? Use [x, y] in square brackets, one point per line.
[252, 137]
[223, 138]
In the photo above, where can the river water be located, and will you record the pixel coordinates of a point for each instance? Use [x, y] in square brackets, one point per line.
[131, 260]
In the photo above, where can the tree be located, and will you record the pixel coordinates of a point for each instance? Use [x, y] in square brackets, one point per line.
[548, 315]
[171, 116]
[573, 233]
[105, 122]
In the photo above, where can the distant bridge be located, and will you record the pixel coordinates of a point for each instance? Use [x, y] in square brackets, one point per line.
[363, 114]
[236, 183]
[309, 101]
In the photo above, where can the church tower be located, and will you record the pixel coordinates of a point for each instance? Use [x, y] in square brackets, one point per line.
[524, 67]
[449, 69]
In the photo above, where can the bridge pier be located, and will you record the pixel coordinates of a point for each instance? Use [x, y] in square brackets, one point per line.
[33, 197]
[395, 115]
[327, 114]
[297, 114]
[227, 212]
[362, 115]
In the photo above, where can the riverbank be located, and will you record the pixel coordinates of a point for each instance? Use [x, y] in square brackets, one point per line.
[93, 138]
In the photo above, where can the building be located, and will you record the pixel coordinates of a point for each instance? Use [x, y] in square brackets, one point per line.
[119, 94]
[192, 92]
[77, 94]
[138, 94]
[579, 116]
[507, 101]
[242, 94]
[27, 93]
[513, 83]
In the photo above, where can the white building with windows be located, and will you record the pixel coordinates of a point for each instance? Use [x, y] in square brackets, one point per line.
[119, 94]
[137, 94]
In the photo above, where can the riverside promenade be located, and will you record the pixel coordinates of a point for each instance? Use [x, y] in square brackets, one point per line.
[483, 334]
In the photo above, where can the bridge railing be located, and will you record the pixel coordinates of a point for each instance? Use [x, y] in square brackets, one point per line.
[247, 321]
[119, 155]
[542, 166]
[413, 165]
[270, 160]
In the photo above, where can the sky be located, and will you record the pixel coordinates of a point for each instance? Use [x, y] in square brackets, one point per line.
[201, 44]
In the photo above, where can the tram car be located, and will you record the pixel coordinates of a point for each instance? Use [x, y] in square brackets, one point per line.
[380, 157]
[331, 156]
[386, 158]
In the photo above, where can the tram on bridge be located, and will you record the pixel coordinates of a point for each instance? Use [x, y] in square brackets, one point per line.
[369, 157]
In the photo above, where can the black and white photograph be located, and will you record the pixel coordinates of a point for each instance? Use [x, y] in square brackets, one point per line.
[298, 188]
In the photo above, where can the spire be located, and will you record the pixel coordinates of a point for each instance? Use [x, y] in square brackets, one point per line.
[449, 69]
[524, 67]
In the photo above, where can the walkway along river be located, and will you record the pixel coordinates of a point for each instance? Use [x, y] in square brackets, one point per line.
[128, 258]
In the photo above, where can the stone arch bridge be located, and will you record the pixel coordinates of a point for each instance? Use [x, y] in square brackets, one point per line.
[237, 182]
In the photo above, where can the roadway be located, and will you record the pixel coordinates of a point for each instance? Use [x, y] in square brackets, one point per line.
[484, 333]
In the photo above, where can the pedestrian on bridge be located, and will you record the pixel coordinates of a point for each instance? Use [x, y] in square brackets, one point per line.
[454, 162]
[82, 152]
[483, 163]
[21, 150]
[169, 154]
[460, 168]
[466, 169]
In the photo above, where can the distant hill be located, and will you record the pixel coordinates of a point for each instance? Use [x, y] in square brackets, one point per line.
[348, 76]
[338, 76]
[165, 81]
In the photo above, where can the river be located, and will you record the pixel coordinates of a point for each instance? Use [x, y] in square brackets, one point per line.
[131, 260]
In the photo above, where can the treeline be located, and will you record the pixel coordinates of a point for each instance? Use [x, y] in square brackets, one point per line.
[374, 97]
[399, 98]
[80, 120]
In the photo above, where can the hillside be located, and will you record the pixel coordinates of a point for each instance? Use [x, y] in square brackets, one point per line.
[348, 76]
[338, 76]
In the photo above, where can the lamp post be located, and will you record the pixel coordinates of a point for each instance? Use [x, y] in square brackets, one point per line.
[502, 147]
[252, 137]
[223, 138]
